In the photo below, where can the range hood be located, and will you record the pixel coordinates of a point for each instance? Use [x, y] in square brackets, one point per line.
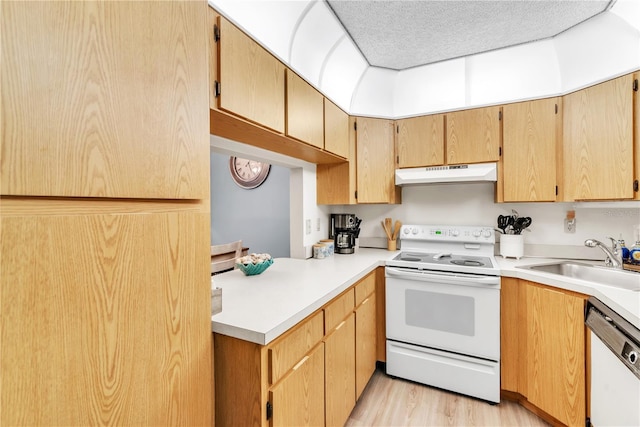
[478, 172]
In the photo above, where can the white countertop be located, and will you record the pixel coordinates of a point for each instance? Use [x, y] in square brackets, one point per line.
[260, 308]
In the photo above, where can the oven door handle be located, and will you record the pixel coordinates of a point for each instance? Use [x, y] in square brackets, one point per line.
[442, 277]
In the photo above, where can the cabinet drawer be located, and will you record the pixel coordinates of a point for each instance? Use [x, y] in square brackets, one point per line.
[337, 310]
[365, 287]
[289, 350]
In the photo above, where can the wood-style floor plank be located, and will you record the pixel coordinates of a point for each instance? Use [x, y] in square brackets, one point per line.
[388, 401]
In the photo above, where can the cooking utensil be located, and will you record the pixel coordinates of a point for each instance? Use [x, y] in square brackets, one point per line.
[504, 221]
[396, 230]
[386, 225]
[521, 224]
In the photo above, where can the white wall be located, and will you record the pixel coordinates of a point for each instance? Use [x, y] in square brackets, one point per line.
[472, 204]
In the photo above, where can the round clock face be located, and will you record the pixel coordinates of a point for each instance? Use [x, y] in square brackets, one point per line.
[248, 173]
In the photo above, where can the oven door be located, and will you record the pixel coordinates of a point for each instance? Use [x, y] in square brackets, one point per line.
[447, 311]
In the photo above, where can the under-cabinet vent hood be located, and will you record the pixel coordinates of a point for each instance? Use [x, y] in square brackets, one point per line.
[447, 174]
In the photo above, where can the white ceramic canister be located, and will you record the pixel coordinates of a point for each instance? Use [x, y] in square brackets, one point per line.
[512, 245]
[329, 244]
[319, 251]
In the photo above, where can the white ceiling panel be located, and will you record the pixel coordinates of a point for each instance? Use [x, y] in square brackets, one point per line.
[374, 94]
[435, 87]
[315, 37]
[270, 22]
[521, 72]
[341, 73]
[597, 50]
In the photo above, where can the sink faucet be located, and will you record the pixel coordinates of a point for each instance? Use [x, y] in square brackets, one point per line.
[614, 256]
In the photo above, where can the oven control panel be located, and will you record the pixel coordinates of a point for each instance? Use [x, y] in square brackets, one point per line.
[448, 233]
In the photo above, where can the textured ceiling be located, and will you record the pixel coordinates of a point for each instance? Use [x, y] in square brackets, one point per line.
[401, 34]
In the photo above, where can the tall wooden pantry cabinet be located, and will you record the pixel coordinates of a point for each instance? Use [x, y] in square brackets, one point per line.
[104, 218]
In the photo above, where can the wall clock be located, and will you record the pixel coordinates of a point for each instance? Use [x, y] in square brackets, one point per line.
[248, 173]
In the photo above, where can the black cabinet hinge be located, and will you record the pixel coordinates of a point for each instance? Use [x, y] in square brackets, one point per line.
[499, 115]
[499, 151]
[398, 159]
[556, 108]
[269, 410]
[356, 194]
[216, 88]
[556, 190]
[635, 85]
[355, 126]
[635, 185]
[397, 128]
[587, 422]
[216, 33]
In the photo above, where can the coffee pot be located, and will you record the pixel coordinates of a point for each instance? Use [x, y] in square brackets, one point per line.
[344, 229]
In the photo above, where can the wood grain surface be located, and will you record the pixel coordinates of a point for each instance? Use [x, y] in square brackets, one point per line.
[420, 141]
[473, 136]
[336, 183]
[99, 100]
[376, 168]
[598, 141]
[253, 81]
[636, 133]
[105, 320]
[365, 342]
[339, 376]
[337, 310]
[304, 111]
[336, 129]
[529, 151]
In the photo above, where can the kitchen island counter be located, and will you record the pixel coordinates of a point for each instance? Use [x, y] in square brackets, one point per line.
[260, 308]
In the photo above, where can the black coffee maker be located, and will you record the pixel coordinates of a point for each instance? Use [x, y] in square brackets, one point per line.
[344, 229]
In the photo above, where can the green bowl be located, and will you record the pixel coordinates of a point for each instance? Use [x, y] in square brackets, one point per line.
[254, 269]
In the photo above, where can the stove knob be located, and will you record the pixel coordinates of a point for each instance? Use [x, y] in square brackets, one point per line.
[455, 233]
[476, 233]
[414, 231]
[406, 230]
[486, 233]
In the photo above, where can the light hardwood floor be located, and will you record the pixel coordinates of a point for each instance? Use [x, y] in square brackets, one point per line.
[390, 401]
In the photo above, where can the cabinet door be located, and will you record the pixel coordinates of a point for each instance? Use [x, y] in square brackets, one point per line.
[420, 141]
[598, 141]
[298, 400]
[336, 129]
[529, 151]
[365, 342]
[375, 161]
[252, 81]
[104, 99]
[636, 135]
[305, 111]
[340, 369]
[336, 183]
[473, 136]
[513, 340]
[556, 354]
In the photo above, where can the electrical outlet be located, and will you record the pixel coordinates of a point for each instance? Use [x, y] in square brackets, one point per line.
[308, 226]
[569, 225]
[317, 224]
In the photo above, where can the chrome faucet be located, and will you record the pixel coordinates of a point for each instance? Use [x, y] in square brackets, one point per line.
[614, 255]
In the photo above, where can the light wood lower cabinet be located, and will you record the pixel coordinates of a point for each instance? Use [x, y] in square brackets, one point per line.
[309, 376]
[298, 400]
[543, 349]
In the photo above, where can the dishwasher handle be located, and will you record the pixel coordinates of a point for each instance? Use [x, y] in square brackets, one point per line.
[443, 277]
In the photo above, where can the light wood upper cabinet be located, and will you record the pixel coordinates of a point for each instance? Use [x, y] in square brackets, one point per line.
[636, 133]
[299, 399]
[473, 136]
[115, 109]
[336, 129]
[305, 111]
[598, 141]
[420, 141]
[252, 81]
[529, 150]
[336, 183]
[375, 161]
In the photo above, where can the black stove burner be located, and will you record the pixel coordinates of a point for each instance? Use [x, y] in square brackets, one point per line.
[408, 258]
[467, 262]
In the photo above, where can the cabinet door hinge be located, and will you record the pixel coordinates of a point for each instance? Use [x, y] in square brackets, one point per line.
[556, 108]
[499, 115]
[398, 159]
[355, 126]
[499, 151]
[635, 85]
[216, 33]
[556, 190]
[587, 422]
[397, 128]
[635, 185]
[216, 86]
[356, 194]
[269, 410]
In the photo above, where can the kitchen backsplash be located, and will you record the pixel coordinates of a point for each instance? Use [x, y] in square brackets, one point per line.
[473, 204]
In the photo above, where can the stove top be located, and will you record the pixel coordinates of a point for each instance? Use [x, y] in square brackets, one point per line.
[465, 249]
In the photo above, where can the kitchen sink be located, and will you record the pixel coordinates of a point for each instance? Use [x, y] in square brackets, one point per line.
[600, 275]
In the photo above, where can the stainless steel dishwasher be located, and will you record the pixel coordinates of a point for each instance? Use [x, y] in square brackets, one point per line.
[615, 369]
